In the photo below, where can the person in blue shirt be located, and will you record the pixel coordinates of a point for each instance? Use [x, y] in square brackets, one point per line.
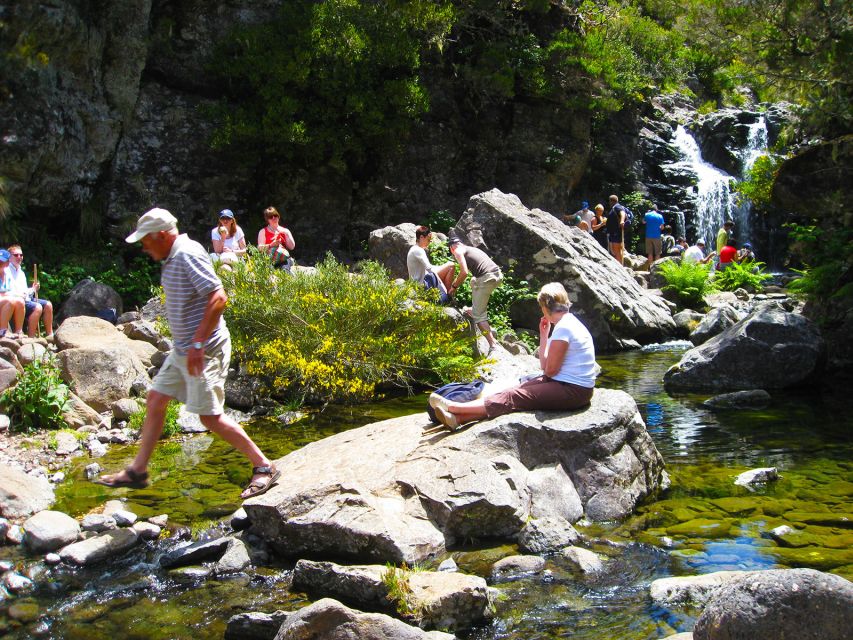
[654, 223]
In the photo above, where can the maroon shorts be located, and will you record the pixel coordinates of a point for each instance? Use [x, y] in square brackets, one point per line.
[539, 393]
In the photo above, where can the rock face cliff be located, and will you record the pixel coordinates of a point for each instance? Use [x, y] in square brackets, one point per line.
[103, 109]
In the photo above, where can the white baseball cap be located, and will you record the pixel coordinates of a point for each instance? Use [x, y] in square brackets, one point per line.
[151, 222]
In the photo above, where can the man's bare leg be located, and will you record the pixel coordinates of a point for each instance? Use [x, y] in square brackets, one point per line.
[229, 430]
[33, 321]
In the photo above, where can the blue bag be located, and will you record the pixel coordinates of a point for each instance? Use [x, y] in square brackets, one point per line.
[458, 392]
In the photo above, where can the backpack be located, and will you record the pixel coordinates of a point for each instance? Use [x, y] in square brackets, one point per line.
[629, 217]
[458, 392]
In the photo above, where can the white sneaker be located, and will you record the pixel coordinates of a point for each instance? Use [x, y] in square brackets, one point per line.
[445, 417]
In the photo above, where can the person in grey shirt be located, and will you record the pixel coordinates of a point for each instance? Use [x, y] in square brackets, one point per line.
[195, 370]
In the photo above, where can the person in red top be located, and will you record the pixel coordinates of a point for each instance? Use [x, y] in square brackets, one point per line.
[728, 255]
[276, 240]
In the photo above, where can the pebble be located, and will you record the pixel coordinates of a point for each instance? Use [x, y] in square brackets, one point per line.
[57, 477]
[98, 522]
[92, 470]
[124, 518]
[16, 583]
[15, 534]
[147, 530]
[52, 559]
[161, 521]
[96, 448]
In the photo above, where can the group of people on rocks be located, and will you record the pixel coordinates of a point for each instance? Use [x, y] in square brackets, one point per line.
[19, 303]
[566, 350]
[229, 241]
[611, 233]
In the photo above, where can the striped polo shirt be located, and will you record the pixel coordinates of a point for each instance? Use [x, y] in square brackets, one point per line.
[188, 279]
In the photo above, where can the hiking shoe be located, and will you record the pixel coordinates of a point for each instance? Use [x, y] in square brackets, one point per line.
[439, 405]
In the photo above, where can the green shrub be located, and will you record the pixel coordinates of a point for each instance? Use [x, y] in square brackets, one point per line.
[828, 253]
[38, 398]
[170, 424]
[689, 280]
[749, 275]
[332, 335]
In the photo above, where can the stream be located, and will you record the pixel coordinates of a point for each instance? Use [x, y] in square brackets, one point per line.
[702, 523]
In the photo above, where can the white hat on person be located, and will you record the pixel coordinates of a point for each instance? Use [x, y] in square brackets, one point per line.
[151, 222]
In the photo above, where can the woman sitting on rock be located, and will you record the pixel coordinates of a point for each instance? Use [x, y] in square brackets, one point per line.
[229, 241]
[276, 240]
[568, 366]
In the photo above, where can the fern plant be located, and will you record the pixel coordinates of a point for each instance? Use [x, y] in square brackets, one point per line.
[690, 281]
[747, 275]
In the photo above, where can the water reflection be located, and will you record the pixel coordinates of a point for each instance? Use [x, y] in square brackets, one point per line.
[703, 523]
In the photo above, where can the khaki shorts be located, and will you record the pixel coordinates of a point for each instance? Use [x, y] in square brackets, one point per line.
[204, 394]
[481, 289]
[653, 247]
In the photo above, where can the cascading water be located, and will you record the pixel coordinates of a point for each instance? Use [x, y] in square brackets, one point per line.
[715, 198]
[713, 192]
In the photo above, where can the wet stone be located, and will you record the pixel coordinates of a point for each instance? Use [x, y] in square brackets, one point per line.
[98, 522]
[195, 552]
[23, 611]
[515, 567]
[16, 583]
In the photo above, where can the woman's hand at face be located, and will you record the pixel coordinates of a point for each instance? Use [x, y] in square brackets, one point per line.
[544, 325]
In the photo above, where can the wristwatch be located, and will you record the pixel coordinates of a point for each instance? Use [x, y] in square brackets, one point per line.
[198, 345]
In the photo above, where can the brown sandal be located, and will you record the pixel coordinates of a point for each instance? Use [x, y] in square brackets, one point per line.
[257, 487]
[134, 480]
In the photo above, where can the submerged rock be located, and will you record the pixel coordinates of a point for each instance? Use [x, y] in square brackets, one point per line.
[405, 496]
[753, 399]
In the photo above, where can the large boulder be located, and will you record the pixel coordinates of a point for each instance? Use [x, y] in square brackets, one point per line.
[715, 322]
[100, 376]
[406, 496]
[89, 298]
[616, 310]
[90, 332]
[769, 349]
[50, 530]
[390, 246]
[21, 494]
[785, 603]
[330, 620]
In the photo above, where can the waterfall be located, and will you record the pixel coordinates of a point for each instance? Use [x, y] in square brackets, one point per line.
[715, 197]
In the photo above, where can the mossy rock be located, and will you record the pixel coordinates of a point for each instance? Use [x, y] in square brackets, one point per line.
[736, 506]
[777, 507]
[701, 528]
[827, 519]
[818, 558]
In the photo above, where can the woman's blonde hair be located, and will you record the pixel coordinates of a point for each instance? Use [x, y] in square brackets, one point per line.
[599, 207]
[553, 297]
[271, 211]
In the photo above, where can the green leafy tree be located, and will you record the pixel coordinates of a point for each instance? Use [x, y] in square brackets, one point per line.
[328, 82]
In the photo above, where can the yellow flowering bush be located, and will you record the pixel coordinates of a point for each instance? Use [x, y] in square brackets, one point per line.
[332, 335]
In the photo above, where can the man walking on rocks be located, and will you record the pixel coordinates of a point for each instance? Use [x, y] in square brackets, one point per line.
[486, 276]
[194, 373]
[616, 228]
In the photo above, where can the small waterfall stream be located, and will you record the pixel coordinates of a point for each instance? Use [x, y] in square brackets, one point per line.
[716, 200]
